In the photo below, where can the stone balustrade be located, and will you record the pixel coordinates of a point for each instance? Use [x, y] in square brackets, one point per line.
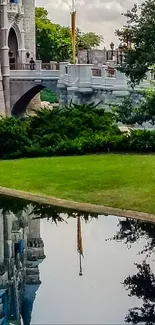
[83, 77]
[35, 242]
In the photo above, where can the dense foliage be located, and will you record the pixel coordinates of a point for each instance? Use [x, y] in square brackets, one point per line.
[54, 41]
[77, 129]
[131, 112]
[139, 31]
[46, 95]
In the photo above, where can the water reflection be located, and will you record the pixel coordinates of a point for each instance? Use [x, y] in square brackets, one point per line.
[141, 284]
[21, 252]
[119, 259]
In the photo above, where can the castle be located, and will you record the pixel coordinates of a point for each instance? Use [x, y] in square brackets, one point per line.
[17, 42]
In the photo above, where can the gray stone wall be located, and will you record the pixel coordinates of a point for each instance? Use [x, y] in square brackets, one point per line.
[105, 98]
[29, 27]
[94, 56]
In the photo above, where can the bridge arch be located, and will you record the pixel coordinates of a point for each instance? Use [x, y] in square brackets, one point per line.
[22, 94]
[19, 109]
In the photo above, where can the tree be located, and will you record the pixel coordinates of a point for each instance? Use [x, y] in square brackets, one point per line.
[140, 31]
[50, 38]
[89, 40]
[128, 113]
[54, 41]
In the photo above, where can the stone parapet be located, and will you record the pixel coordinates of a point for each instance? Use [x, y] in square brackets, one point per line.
[35, 243]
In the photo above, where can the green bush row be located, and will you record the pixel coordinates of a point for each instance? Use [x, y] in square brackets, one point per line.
[74, 130]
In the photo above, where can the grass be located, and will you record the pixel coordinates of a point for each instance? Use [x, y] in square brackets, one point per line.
[120, 181]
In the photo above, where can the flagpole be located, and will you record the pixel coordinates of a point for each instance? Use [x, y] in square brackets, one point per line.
[73, 29]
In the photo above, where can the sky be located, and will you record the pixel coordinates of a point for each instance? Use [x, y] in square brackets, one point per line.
[64, 297]
[99, 16]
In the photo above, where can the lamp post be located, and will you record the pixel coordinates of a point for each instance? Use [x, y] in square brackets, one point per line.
[28, 55]
[10, 54]
[88, 61]
[122, 48]
[52, 52]
[63, 51]
[112, 50]
[38, 51]
[80, 46]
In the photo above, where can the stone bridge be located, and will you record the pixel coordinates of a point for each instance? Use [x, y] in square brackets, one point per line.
[25, 84]
[80, 83]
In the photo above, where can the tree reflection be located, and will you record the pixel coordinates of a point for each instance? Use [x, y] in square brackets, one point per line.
[143, 315]
[131, 231]
[21, 207]
[142, 284]
[54, 213]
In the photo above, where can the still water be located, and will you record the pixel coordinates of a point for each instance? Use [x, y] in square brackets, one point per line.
[114, 255]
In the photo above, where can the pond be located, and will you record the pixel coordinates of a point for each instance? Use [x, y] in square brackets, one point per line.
[67, 267]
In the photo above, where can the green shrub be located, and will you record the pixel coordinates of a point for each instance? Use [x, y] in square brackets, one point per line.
[13, 137]
[73, 130]
[46, 95]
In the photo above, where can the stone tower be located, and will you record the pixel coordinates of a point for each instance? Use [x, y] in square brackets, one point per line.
[17, 42]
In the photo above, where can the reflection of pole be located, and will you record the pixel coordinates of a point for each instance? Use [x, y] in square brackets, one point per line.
[79, 244]
[80, 272]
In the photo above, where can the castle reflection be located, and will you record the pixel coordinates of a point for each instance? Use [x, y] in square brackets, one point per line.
[21, 252]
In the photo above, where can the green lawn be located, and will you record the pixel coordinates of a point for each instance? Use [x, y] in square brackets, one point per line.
[121, 181]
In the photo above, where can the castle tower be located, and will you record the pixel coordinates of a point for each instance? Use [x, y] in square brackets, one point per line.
[29, 27]
[17, 40]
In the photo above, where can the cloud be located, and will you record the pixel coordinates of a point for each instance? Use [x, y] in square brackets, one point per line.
[100, 16]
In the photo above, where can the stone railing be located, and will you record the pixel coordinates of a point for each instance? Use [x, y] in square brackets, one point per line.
[38, 70]
[81, 77]
[89, 77]
[22, 66]
[35, 242]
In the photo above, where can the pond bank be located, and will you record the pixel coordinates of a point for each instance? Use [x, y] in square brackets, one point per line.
[86, 207]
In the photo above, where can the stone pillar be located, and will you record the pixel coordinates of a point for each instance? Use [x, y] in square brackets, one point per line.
[121, 80]
[22, 50]
[5, 55]
[53, 65]
[61, 84]
[72, 74]
[85, 74]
